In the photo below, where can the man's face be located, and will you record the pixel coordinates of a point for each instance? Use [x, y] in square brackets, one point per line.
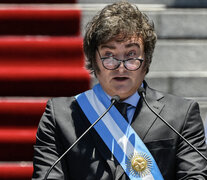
[121, 81]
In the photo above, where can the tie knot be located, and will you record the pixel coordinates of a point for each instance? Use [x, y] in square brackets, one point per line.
[122, 107]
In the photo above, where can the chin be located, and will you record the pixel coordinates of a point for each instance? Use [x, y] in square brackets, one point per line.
[123, 93]
[123, 96]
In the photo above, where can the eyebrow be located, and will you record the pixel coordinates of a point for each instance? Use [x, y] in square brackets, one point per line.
[114, 47]
[132, 44]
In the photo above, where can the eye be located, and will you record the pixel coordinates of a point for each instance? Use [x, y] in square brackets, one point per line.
[131, 54]
[108, 54]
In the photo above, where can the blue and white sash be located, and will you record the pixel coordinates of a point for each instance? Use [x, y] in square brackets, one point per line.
[119, 136]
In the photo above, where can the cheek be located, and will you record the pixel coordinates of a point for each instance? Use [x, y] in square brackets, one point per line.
[139, 77]
[102, 76]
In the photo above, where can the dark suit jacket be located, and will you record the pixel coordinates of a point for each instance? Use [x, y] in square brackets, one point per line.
[63, 122]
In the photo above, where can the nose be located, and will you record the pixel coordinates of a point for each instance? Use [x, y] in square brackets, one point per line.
[121, 67]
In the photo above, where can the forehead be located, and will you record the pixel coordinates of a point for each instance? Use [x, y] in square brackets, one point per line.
[127, 42]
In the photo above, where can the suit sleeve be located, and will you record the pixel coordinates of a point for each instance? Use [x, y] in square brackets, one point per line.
[190, 165]
[46, 149]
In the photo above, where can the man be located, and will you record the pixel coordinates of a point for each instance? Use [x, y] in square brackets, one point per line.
[118, 44]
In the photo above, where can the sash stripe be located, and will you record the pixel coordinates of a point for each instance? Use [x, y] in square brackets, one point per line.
[117, 134]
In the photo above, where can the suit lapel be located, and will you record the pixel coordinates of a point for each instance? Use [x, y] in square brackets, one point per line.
[143, 117]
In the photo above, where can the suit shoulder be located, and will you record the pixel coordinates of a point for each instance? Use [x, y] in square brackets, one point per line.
[170, 98]
[62, 100]
[63, 104]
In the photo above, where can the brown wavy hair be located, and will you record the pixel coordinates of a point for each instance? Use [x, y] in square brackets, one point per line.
[120, 18]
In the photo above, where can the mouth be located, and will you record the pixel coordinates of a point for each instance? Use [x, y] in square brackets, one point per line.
[121, 79]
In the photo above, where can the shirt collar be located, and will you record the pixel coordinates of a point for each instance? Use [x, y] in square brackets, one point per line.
[132, 100]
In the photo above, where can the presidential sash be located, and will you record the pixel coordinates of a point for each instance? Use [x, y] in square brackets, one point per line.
[119, 136]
